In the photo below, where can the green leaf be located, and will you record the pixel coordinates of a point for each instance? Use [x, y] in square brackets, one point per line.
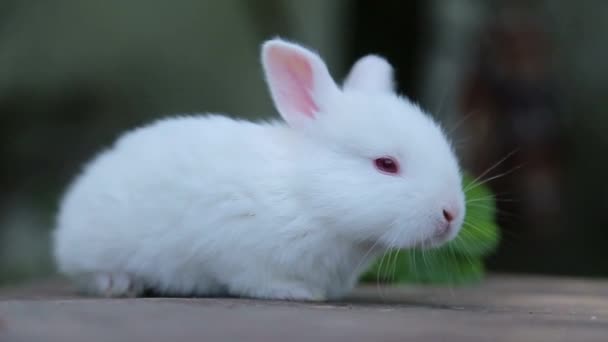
[445, 268]
[477, 239]
[459, 261]
[426, 267]
[479, 235]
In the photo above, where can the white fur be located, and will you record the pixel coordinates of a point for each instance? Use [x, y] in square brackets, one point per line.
[371, 73]
[206, 205]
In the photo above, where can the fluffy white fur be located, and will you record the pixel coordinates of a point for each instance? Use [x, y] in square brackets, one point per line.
[206, 205]
[371, 73]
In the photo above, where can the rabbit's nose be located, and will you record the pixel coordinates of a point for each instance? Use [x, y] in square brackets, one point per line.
[448, 215]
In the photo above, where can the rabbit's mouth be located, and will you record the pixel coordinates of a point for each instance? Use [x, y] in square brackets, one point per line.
[434, 241]
[428, 243]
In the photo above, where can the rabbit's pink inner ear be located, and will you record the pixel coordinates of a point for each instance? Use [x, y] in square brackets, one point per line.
[292, 77]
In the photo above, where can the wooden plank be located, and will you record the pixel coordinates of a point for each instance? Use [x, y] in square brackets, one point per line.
[503, 308]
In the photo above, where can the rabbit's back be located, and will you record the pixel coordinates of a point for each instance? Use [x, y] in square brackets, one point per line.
[148, 202]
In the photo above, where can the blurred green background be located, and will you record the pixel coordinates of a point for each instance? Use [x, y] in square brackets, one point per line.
[503, 76]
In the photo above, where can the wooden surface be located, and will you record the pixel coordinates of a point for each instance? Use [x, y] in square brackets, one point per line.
[503, 308]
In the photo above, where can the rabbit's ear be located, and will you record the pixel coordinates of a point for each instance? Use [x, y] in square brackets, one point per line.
[299, 81]
[371, 73]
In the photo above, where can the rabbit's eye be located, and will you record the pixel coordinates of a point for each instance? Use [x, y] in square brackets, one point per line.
[387, 165]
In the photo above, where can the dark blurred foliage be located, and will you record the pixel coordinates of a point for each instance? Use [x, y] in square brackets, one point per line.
[526, 79]
[511, 91]
[521, 105]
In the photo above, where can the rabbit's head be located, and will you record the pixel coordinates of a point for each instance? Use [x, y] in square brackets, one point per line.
[368, 163]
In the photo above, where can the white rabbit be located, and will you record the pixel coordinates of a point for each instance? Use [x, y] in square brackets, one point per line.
[206, 205]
